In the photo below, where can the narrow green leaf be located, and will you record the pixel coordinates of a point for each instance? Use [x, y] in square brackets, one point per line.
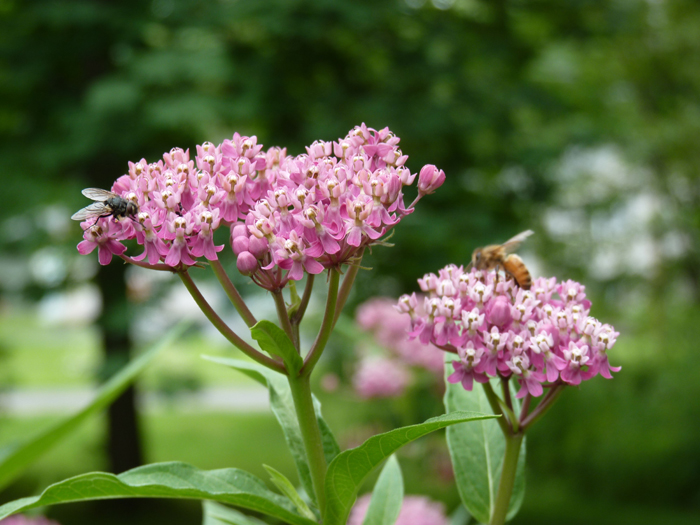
[16, 457]
[275, 342]
[282, 406]
[387, 496]
[350, 468]
[217, 514]
[286, 487]
[477, 453]
[166, 480]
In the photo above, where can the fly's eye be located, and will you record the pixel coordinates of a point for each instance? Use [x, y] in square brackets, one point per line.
[478, 255]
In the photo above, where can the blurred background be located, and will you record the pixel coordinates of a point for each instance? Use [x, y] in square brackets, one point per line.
[577, 119]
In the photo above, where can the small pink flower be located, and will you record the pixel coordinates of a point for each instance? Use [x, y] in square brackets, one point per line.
[430, 179]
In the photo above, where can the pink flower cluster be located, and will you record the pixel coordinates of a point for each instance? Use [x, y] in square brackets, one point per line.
[287, 215]
[543, 336]
[415, 510]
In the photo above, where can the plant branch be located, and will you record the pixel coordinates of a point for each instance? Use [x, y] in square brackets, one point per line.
[329, 318]
[348, 281]
[543, 406]
[495, 403]
[283, 317]
[233, 294]
[299, 314]
[160, 267]
[224, 329]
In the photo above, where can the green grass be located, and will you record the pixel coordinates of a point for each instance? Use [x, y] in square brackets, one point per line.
[34, 355]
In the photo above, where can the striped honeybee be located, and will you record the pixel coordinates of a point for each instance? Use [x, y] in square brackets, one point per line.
[108, 204]
[496, 255]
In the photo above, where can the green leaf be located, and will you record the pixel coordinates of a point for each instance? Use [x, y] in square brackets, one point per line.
[350, 468]
[166, 480]
[286, 487]
[16, 457]
[282, 406]
[217, 514]
[477, 453]
[387, 496]
[273, 340]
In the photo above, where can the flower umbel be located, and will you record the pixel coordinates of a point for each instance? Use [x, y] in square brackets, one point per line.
[540, 337]
[288, 216]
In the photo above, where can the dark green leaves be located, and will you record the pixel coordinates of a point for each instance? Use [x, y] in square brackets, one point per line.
[477, 454]
[275, 342]
[350, 468]
[166, 480]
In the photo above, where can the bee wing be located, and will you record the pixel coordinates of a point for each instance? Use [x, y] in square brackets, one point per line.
[512, 244]
[96, 209]
[96, 194]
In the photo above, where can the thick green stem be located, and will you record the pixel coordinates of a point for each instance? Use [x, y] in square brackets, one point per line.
[507, 481]
[224, 329]
[233, 294]
[311, 434]
[329, 318]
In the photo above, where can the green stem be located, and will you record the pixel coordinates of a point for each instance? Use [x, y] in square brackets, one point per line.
[224, 329]
[283, 316]
[542, 408]
[233, 294]
[497, 408]
[507, 481]
[311, 434]
[299, 314]
[329, 318]
[348, 281]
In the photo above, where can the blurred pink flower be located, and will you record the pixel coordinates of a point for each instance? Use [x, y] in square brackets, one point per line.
[416, 510]
[21, 519]
[380, 377]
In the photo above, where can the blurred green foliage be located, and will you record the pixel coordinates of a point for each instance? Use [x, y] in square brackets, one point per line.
[578, 119]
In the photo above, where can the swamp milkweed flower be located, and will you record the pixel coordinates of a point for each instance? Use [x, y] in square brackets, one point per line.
[540, 337]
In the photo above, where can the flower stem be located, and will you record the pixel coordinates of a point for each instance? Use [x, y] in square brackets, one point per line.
[348, 281]
[299, 314]
[497, 408]
[542, 408]
[507, 481]
[311, 434]
[329, 318]
[283, 316]
[160, 267]
[232, 293]
[224, 329]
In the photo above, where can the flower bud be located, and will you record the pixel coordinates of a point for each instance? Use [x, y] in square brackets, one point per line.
[499, 311]
[240, 245]
[430, 179]
[246, 263]
[239, 230]
[258, 247]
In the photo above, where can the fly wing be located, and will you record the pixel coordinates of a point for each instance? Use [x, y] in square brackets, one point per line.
[96, 194]
[512, 244]
[96, 209]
